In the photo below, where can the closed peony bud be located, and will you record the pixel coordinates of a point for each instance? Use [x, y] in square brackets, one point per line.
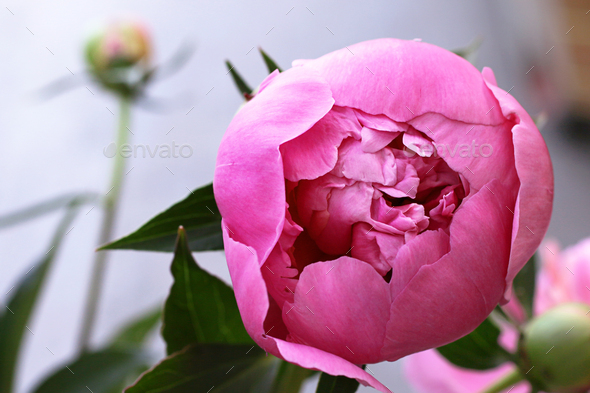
[119, 57]
[557, 345]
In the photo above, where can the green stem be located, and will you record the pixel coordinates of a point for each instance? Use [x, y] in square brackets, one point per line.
[289, 378]
[111, 201]
[505, 382]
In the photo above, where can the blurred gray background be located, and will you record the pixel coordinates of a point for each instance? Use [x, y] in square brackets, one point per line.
[51, 147]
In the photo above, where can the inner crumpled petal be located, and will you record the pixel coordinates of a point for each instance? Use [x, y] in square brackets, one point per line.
[387, 186]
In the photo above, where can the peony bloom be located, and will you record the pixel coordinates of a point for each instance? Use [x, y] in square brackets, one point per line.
[563, 279]
[377, 202]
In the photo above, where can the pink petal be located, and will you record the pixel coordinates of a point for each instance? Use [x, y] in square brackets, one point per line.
[253, 302]
[404, 79]
[535, 172]
[319, 318]
[315, 152]
[426, 248]
[449, 298]
[554, 283]
[249, 167]
[429, 372]
[356, 164]
[374, 140]
[478, 152]
[376, 248]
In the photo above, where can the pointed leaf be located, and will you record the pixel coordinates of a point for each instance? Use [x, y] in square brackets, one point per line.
[290, 377]
[197, 213]
[210, 367]
[107, 371]
[20, 305]
[524, 285]
[469, 52]
[240, 83]
[200, 307]
[340, 384]
[479, 350]
[271, 65]
[45, 207]
[134, 334]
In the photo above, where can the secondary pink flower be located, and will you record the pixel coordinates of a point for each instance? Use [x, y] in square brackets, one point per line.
[563, 277]
[430, 372]
[377, 202]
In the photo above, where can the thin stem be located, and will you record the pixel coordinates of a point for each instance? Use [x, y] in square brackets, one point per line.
[505, 382]
[111, 202]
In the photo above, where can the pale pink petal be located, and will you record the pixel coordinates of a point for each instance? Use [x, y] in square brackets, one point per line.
[379, 122]
[417, 143]
[554, 283]
[375, 140]
[356, 164]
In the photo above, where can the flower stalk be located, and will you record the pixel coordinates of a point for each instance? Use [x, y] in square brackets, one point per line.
[505, 382]
[110, 204]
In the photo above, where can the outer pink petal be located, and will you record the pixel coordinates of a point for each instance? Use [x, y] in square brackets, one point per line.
[253, 302]
[249, 166]
[535, 196]
[449, 298]
[431, 373]
[405, 79]
[342, 307]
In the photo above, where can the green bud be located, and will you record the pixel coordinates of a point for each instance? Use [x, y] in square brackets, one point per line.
[119, 57]
[557, 348]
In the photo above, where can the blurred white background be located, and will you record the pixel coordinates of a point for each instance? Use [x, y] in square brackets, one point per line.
[48, 148]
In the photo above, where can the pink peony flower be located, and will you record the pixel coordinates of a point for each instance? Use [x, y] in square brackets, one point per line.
[555, 284]
[377, 202]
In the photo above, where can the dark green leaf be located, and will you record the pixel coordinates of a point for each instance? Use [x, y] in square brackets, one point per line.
[242, 86]
[134, 334]
[331, 384]
[270, 63]
[106, 371]
[210, 367]
[200, 307]
[15, 316]
[479, 350]
[290, 377]
[46, 207]
[524, 285]
[197, 213]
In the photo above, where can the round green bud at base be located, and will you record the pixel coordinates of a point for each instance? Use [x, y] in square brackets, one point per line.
[557, 347]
